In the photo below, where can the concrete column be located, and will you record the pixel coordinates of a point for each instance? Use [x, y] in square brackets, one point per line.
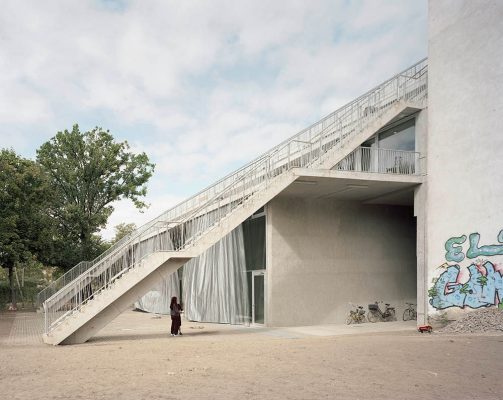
[421, 129]
[465, 138]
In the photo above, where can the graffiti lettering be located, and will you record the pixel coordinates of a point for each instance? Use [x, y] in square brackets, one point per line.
[492, 250]
[454, 252]
[483, 289]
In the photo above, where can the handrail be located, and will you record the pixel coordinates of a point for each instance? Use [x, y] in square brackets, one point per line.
[204, 210]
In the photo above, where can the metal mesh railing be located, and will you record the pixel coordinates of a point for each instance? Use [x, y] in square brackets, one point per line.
[181, 226]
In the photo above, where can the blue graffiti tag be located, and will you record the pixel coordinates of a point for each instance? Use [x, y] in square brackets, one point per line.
[483, 289]
[454, 252]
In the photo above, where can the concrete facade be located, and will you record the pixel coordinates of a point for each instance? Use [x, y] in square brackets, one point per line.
[458, 228]
[322, 254]
[465, 167]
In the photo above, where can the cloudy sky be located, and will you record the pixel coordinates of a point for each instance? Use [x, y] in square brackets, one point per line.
[201, 86]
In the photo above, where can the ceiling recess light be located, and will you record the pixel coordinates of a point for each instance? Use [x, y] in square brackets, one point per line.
[357, 186]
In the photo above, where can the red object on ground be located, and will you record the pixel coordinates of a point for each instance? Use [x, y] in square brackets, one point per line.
[425, 328]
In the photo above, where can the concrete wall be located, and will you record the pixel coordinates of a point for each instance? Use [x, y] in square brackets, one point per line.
[322, 254]
[420, 193]
[465, 163]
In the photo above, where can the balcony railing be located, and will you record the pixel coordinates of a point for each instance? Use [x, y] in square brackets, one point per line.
[383, 161]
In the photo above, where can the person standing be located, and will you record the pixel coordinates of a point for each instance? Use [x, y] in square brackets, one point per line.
[176, 319]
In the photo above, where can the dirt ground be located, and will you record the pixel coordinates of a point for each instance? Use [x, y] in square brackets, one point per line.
[136, 358]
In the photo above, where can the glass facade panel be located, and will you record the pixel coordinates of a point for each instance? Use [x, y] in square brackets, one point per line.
[367, 158]
[258, 297]
[254, 243]
[401, 137]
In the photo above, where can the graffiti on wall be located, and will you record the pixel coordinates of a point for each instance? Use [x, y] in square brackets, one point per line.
[480, 284]
[455, 250]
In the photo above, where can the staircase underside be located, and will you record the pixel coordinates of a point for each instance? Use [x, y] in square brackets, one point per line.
[362, 187]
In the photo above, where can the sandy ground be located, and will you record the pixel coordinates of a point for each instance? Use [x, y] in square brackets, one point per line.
[136, 358]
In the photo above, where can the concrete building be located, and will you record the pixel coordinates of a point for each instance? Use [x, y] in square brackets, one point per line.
[393, 197]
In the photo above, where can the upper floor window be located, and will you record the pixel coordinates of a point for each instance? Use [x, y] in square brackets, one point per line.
[400, 137]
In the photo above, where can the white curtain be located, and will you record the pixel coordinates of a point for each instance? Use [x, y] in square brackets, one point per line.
[158, 299]
[214, 288]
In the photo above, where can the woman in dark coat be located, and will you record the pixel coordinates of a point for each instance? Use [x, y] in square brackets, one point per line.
[176, 319]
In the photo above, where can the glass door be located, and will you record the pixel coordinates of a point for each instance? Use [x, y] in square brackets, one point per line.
[258, 287]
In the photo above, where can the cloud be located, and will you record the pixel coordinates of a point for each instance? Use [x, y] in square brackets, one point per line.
[125, 212]
[201, 87]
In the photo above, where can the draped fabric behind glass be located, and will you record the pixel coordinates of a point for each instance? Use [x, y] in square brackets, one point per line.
[214, 288]
[214, 284]
[158, 299]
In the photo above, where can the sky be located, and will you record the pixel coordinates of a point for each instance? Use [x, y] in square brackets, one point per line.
[202, 87]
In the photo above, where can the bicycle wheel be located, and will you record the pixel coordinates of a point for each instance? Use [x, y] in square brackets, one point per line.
[349, 320]
[372, 317]
[406, 315]
[392, 316]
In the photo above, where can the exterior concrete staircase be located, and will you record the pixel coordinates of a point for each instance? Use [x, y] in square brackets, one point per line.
[110, 284]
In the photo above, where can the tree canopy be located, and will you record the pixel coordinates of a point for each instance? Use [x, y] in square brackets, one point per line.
[88, 171]
[25, 227]
[123, 230]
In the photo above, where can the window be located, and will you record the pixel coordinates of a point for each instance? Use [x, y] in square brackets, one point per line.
[400, 137]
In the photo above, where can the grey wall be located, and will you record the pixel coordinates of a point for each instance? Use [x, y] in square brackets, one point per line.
[420, 193]
[465, 141]
[322, 254]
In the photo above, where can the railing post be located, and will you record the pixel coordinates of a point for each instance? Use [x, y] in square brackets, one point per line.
[288, 157]
[46, 319]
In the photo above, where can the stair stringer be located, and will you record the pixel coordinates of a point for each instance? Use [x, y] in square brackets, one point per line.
[109, 304]
[85, 322]
[331, 158]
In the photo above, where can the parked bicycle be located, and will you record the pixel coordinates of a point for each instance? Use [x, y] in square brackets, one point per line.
[410, 312]
[356, 316]
[376, 314]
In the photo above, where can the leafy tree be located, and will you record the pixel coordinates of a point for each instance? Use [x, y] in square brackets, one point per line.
[123, 230]
[25, 227]
[88, 172]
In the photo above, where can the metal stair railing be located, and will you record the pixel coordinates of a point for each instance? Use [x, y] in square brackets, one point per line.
[62, 281]
[182, 225]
